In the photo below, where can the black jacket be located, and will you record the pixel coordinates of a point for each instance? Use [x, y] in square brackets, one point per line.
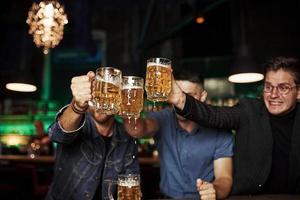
[254, 141]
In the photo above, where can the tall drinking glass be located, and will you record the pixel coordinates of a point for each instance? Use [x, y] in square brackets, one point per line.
[158, 79]
[132, 96]
[106, 90]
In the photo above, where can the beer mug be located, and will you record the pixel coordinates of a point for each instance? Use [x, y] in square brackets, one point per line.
[106, 90]
[158, 79]
[128, 187]
[132, 96]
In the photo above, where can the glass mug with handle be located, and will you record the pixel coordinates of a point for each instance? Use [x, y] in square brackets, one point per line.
[132, 96]
[158, 79]
[106, 90]
[128, 187]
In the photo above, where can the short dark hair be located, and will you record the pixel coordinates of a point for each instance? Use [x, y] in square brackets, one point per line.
[189, 75]
[288, 64]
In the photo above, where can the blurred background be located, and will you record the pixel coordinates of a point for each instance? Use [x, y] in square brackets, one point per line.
[124, 33]
[206, 36]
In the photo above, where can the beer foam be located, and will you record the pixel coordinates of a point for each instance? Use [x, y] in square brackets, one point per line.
[157, 64]
[107, 81]
[128, 183]
[128, 87]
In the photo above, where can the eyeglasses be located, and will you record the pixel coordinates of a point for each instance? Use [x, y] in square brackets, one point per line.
[282, 88]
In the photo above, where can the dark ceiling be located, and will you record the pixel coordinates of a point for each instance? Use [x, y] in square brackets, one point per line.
[139, 29]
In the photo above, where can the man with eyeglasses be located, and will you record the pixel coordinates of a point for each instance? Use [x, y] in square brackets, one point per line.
[267, 146]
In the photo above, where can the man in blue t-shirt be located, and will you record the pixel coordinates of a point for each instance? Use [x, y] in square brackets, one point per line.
[194, 160]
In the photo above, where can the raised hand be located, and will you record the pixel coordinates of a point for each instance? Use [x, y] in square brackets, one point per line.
[176, 97]
[81, 89]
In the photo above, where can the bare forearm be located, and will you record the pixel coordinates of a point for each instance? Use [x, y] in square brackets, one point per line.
[177, 99]
[222, 187]
[69, 120]
[180, 101]
[177, 96]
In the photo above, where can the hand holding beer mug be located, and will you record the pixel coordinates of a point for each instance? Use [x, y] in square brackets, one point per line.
[106, 90]
[132, 96]
[158, 79]
[128, 187]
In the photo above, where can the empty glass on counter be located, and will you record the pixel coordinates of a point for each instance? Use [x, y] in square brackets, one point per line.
[158, 79]
[106, 90]
[132, 96]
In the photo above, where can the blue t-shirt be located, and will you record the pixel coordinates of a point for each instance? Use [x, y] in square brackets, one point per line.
[184, 156]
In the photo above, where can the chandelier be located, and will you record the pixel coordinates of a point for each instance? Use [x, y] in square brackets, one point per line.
[46, 21]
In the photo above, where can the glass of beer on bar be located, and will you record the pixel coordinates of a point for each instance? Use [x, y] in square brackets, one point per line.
[158, 79]
[106, 90]
[132, 96]
[129, 187]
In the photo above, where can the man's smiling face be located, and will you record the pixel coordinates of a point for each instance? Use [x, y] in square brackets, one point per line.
[279, 103]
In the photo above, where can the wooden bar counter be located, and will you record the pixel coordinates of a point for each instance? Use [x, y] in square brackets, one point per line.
[25, 158]
[257, 197]
[50, 159]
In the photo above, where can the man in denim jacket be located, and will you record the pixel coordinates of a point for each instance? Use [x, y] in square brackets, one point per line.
[92, 149]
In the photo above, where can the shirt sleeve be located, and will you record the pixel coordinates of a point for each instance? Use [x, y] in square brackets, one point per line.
[224, 146]
[157, 115]
[58, 134]
[223, 117]
[160, 116]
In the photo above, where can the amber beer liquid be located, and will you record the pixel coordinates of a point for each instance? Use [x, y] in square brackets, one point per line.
[132, 101]
[129, 191]
[106, 90]
[158, 81]
[107, 97]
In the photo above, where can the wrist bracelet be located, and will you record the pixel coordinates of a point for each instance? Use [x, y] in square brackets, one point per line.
[80, 112]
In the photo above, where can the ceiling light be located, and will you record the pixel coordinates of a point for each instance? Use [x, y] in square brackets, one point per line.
[200, 20]
[245, 77]
[46, 21]
[21, 87]
[244, 69]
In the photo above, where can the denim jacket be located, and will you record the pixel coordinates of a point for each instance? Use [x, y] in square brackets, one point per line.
[79, 161]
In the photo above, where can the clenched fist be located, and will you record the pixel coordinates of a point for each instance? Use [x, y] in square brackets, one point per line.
[81, 88]
[206, 190]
